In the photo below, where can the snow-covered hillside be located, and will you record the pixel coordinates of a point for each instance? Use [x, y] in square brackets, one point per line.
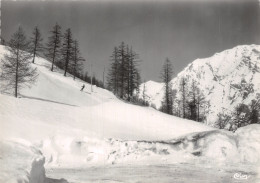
[227, 79]
[54, 124]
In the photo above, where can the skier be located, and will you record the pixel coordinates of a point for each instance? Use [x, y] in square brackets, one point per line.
[83, 86]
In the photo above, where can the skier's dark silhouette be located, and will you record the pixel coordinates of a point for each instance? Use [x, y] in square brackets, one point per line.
[83, 86]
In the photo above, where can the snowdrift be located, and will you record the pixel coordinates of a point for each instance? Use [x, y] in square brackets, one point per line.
[25, 162]
[21, 162]
[211, 146]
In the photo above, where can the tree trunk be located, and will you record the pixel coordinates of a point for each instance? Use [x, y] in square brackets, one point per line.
[67, 61]
[54, 53]
[16, 73]
[33, 56]
[198, 115]
[67, 56]
[53, 58]
[35, 44]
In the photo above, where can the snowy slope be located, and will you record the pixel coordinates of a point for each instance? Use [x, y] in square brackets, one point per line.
[61, 99]
[56, 124]
[224, 78]
[53, 113]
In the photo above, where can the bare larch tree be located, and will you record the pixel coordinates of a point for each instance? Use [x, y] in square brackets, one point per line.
[77, 60]
[166, 76]
[53, 45]
[67, 50]
[16, 69]
[36, 43]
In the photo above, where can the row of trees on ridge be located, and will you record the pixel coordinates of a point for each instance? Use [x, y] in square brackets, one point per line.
[62, 50]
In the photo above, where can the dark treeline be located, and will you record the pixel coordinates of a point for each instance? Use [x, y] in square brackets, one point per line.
[123, 77]
[63, 51]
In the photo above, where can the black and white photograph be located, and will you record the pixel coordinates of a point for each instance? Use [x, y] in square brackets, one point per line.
[129, 91]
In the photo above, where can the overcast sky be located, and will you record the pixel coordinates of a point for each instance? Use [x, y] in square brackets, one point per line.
[181, 31]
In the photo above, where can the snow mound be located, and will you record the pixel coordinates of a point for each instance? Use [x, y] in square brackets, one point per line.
[249, 143]
[20, 162]
[210, 146]
[84, 152]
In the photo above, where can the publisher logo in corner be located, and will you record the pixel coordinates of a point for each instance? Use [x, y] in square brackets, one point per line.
[241, 176]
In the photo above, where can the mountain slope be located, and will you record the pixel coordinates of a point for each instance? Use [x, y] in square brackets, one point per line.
[226, 79]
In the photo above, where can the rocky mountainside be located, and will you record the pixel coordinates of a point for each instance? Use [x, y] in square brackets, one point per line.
[226, 79]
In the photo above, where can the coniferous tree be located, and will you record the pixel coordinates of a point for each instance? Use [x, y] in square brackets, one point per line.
[166, 75]
[133, 72]
[177, 107]
[2, 41]
[122, 70]
[192, 101]
[67, 50]
[36, 43]
[195, 101]
[123, 76]
[16, 69]
[254, 111]
[223, 120]
[202, 105]
[137, 81]
[53, 45]
[113, 76]
[241, 116]
[77, 60]
[183, 91]
[144, 93]
[127, 73]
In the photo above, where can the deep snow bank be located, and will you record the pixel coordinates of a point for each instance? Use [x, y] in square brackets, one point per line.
[211, 146]
[20, 162]
[248, 138]
[26, 163]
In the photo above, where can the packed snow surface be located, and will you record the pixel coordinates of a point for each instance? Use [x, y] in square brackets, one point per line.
[54, 124]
